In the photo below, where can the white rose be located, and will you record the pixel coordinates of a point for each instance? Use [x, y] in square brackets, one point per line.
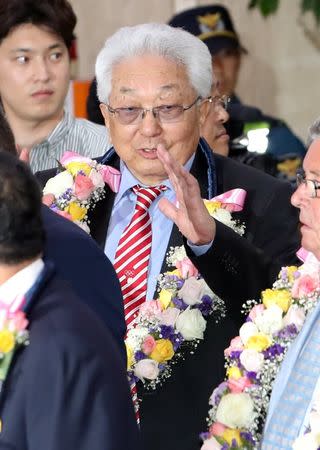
[191, 291]
[307, 441]
[236, 411]
[211, 444]
[296, 316]
[247, 330]
[146, 369]
[96, 179]
[270, 320]
[191, 324]
[251, 360]
[59, 184]
[135, 336]
[223, 216]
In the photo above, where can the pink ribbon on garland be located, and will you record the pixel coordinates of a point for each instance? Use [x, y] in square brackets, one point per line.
[233, 199]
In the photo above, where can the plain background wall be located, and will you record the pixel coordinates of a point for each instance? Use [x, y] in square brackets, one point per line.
[280, 73]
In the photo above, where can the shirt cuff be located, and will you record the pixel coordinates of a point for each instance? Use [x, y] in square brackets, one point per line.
[199, 250]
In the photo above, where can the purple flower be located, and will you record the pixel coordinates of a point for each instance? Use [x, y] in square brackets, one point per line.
[139, 355]
[252, 375]
[247, 436]
[179, 303]
[235, 354]
[166, 331]
[205, 306]
[218, 393]
[273, 351]
[177, 341]
[204, 436]
[288, 332]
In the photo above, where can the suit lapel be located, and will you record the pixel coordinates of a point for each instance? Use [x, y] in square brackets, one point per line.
[99, 218]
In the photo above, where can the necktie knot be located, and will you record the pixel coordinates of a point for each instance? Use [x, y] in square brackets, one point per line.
[146, 195]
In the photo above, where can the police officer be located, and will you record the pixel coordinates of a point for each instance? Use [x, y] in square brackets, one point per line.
[251, 132]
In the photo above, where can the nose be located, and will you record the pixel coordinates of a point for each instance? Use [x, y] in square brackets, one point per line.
[150, 125]
[41, 70]
[299, 196]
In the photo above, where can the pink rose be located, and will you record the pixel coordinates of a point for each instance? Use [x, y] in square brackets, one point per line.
[148, 344]
[237, 386]
[303, 286]
[19, 321]
[211, 444]
[217, 429]
[256, 311]
[150, 309]
[187, 269]
[296, 316]
[169, 316]
[236, 344]
[146, 368]
[83, 186]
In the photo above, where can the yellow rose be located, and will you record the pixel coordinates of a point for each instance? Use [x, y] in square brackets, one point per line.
[234, 372]
[75, 167]
[165, 297]
[163, 351]
[279, 297]
[6, 341]
[76, 212]
[129, 356]
[230, 434]
[211, 206]
[258, 342]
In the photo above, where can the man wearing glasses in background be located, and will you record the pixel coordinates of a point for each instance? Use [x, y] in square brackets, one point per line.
[154, 85]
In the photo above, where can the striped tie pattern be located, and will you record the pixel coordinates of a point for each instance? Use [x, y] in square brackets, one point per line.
[132, 259]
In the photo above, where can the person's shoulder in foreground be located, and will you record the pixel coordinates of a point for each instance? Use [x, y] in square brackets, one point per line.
[68, 388]
[80, 261]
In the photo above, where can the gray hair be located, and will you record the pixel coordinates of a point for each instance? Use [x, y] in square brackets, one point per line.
[314, 132]
[156, 39]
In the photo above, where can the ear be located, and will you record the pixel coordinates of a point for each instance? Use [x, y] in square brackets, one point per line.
[204, 110]
[105, 113]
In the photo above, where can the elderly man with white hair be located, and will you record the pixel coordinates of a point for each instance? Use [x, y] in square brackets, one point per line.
[154, 83]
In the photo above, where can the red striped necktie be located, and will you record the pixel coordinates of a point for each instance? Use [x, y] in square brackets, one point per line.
[133, 252]
[132, 260]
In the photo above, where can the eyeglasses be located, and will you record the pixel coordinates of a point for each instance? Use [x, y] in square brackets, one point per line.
[164, 113]
[312, 186]
[219, 101]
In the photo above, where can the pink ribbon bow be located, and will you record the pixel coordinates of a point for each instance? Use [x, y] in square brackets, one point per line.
[233, 200]
[307, 257]
[111, 176]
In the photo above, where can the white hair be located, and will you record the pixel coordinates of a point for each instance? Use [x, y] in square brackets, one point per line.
[155, 39]
[314, 132]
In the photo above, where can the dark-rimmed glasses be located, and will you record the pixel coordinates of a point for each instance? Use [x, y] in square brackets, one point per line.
[311, 186]
[132, 115]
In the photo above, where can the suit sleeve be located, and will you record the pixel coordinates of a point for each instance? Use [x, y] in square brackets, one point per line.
[238, 268]
[85, 401]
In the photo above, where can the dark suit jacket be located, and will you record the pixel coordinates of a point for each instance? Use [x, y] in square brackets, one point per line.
[67, 390]
[173, 416]
[81, 262]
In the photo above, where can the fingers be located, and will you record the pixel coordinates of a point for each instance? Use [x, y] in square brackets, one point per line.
[168, 209]
[24, 155]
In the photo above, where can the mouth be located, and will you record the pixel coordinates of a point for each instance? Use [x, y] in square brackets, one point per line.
[222, 135]
[42, 94]
[148, 152]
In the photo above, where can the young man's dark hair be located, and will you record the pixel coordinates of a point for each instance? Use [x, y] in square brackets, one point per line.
[21, 229]
[54, 15]
[6, 136]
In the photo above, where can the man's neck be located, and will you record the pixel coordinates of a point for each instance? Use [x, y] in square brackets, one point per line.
[28, 134]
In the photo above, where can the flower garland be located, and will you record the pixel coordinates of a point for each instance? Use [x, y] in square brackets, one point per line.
[239, 404]
[79, 186]
[174, 324]
[13, 334]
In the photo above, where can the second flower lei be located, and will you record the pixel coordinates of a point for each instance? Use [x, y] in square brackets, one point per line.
[168, 328]
[239, 404]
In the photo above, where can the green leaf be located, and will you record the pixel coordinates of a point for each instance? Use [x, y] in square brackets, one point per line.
[266, 7]
[312, 6]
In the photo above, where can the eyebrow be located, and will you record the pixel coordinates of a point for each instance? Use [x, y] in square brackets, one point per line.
[27, 50]
[166, 87]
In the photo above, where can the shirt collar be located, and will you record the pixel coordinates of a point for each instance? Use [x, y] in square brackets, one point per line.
[20, 283]
[128, 180]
